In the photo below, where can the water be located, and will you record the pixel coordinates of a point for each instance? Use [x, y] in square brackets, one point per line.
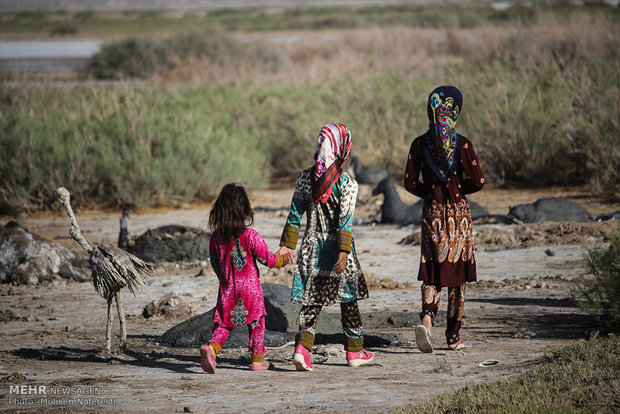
[27, 56]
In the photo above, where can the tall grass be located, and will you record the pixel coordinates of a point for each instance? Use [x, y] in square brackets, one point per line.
[540, 106]
[124, 144]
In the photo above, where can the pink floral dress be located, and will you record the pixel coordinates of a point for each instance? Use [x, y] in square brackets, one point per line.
[240, 298]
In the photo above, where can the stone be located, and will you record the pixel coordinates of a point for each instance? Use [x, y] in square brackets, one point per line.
[168, 306]
[281, 326]
[171, 243]
[26, 258]
[549, 209]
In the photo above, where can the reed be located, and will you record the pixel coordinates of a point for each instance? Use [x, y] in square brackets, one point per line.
[540, 106]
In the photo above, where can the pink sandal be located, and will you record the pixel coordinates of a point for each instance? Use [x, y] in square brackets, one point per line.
[207, 359]
[261, 366]
[301, 359]
[356, 359]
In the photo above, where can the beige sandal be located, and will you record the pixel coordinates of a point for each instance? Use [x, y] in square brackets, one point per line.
[423, 339]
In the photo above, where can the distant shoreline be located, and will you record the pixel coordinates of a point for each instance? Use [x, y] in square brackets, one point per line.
[52, 5]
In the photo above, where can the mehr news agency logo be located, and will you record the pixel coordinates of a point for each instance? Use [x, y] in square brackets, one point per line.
[45, 395]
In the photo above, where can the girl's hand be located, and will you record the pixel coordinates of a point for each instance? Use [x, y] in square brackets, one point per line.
[341, 264]
[286, 252]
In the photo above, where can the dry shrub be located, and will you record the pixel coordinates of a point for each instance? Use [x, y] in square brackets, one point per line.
[601, 293]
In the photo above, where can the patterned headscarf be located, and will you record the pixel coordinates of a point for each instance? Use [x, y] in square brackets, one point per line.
[333, 147]
[443, 143]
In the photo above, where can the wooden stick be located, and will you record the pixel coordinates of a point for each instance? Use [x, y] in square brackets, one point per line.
[121, 317]
[108, 328]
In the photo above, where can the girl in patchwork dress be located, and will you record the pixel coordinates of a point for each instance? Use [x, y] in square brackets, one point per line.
[233, 250]
[328, 270]
[442, 168]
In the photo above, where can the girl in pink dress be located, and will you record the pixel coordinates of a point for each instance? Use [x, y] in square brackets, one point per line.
[233, 250]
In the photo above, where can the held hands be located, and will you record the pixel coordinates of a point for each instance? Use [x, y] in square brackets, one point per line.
[341, 264]
[339, 267]
[286, 252]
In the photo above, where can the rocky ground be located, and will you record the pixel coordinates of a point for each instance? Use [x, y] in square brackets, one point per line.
[53, 334]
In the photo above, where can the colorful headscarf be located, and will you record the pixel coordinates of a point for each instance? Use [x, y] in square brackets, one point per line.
[333, 147]
[443, 143]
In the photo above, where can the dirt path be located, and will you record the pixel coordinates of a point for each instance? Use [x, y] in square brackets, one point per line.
[55, 335]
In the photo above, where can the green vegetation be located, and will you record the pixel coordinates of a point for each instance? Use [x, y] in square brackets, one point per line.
[583, 377]
[451, 15]
[131, 143]
[125, 144]
[538, 107]
[537, 123]
[601, 294]
[142, 58]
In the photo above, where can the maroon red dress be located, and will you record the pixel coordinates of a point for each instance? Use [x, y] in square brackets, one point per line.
[448, 257]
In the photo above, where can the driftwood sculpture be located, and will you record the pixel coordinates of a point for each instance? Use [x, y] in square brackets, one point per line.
[112, 268]
[369, 174]
[124, 237]
[394, 210]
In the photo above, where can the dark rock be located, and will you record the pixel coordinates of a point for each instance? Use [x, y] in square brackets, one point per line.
[549, 252]
[395, 211]
[371, 339]
[369, 174]
[387, 319]
[8, 315]
[172, 243]
[197, 331]
[282, 324]
[27, 258]
[549, 209]
[14, 378]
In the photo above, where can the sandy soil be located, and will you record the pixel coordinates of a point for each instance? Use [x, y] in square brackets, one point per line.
[520, 308]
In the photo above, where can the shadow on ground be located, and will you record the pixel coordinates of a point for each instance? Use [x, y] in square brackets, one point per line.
[540, 318]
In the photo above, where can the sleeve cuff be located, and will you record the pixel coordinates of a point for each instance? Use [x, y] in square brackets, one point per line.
[344, 241]
[281, 261]
[289, 237]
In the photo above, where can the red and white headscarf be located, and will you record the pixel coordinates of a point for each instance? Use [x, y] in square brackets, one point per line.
[333, 148]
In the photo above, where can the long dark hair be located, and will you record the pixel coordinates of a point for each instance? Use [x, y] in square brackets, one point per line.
[232, 213]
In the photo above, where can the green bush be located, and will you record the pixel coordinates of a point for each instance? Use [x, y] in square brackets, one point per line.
[122, 145]
[64, 29]
[132, 58]
[141, 58]
[527, 126]
[539, 109]
[601, 293]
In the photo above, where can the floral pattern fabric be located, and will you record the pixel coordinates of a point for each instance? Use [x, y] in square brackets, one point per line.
[448, 250]
[240, 296]
[328, 231]
[456, 304]
[443, 143]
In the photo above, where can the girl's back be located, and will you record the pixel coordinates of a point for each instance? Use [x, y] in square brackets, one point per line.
[228, 256]
[240, 297]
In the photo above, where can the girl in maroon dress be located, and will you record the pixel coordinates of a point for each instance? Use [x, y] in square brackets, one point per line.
[233, 250]
[442, 167]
